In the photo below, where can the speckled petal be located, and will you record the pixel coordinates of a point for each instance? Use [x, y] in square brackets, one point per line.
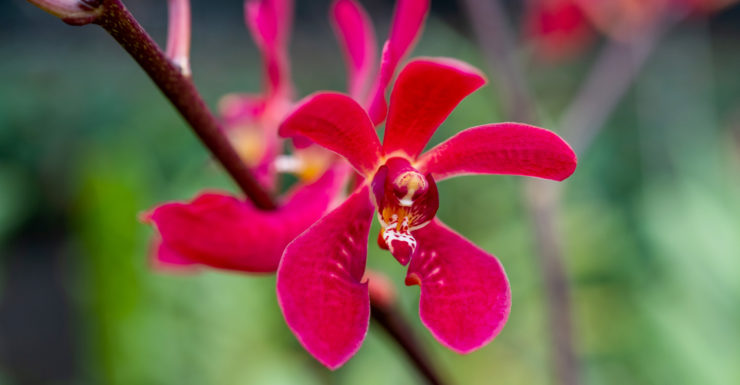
[319, 282]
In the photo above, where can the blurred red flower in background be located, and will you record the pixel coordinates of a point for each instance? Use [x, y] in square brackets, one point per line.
[221, 231]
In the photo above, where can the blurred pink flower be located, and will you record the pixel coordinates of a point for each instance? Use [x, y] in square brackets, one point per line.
[562, 28]
[465, 297]
[624, 19]
[221, 231]
[558, 28]
[251, 120]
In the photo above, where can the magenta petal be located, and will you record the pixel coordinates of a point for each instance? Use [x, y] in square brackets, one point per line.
[337, 122]
[224, 232]
[357, 38]
[270, 22]
[465, 296]
[424, 94]
[407, 22]
[164, 258]
[502, 148]
[319, 282]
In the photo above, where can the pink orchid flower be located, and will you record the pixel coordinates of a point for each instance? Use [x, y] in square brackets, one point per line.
[465, 295]
[221, 231]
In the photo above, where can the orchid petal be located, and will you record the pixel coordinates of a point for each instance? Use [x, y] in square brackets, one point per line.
[425, 93]
[407, 23]
[164, 258]
[357, 38]
[502, 148]
[337, 122]
[319, 282]
[224, 232]
[270, 22]
[465, 295]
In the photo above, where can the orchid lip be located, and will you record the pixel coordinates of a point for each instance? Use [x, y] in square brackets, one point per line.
[397, 236]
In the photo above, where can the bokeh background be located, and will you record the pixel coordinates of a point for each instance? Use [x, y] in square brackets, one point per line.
[650, 221]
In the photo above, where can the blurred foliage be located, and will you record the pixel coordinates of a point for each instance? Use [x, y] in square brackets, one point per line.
[651, 219]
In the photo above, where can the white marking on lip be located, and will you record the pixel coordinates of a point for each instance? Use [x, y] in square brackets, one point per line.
[390, 234]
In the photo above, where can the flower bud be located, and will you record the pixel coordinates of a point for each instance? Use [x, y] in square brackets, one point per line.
[74, 12]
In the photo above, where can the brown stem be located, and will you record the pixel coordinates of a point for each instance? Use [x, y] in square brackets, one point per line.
[181, 92]
[496, 40]
[391, 320]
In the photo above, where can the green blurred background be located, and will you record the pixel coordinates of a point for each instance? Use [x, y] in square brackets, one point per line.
[650, 220]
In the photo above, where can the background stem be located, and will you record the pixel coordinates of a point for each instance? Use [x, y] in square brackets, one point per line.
[496, 40]
[181, 92]
[608, 80]
[398, 329]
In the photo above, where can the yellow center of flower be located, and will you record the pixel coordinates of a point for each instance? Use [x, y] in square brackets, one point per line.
[248, 143]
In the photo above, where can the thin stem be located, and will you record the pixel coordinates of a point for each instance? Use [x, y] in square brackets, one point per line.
[543, 206]
[611, 76]
[609, 79]
[178, 34]
[181, 92]
[497, 42]
[391, 320]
